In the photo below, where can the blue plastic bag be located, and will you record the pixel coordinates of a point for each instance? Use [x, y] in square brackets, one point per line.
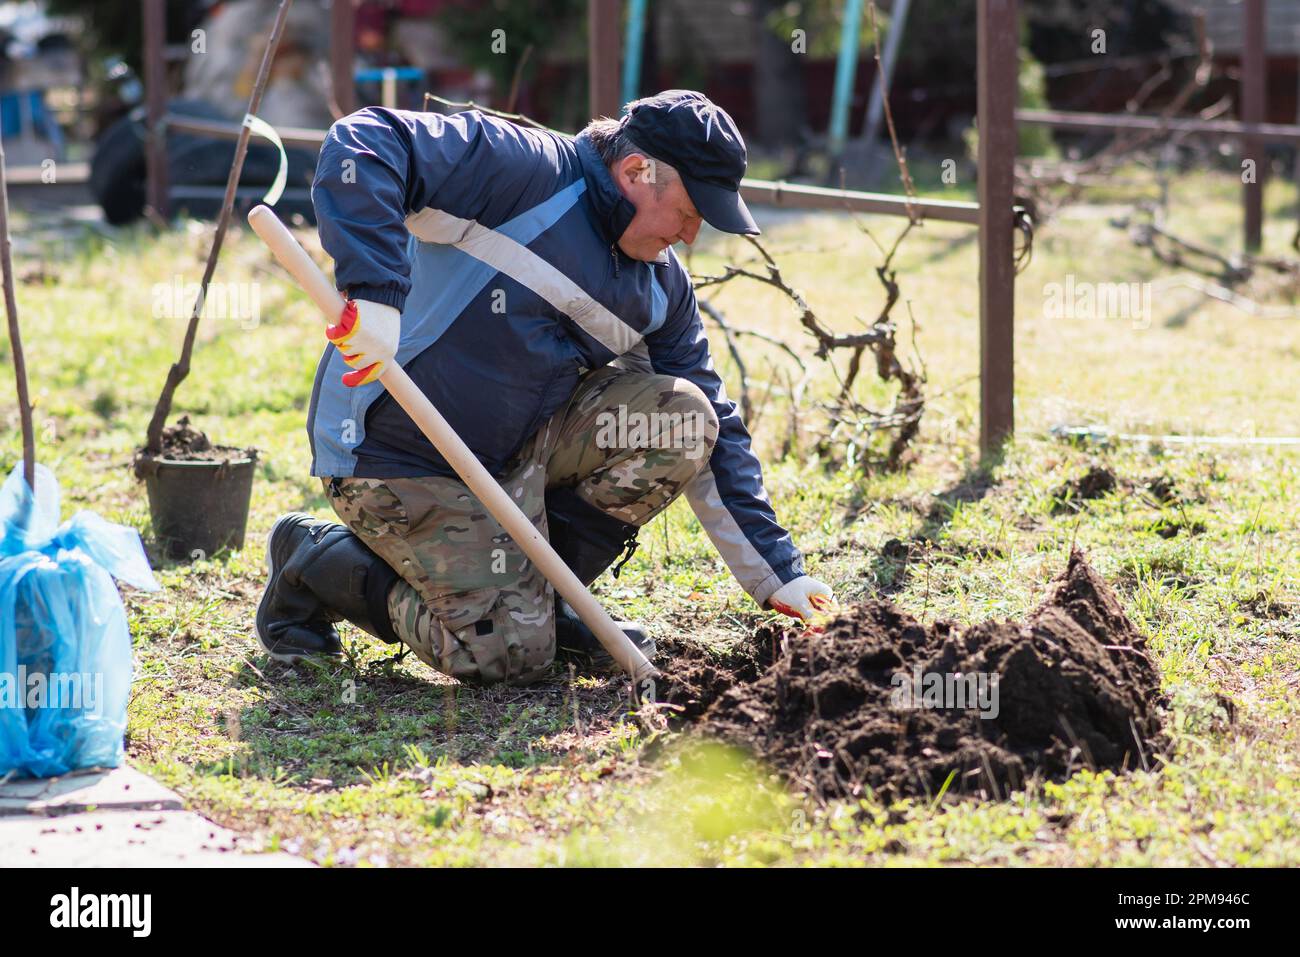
[65, 652]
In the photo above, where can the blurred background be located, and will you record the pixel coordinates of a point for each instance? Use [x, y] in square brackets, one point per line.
[72, 76]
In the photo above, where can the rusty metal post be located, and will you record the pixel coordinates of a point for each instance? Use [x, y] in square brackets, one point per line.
[343, 51]
[604, 45]
[155, 97]
[1254, 97]
[1295, 169]
[997, 59]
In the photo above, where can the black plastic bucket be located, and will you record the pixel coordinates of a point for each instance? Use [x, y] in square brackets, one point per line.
[199, 508]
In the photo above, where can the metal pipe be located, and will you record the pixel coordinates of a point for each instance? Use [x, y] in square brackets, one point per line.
[222, 130]
[602, 57]
[794, 196]
[846, 69]
[343, 17]
[633, 44]
[155, 97]
[999, 54]
[1117, 122]
[1254, 96]
[876, 108]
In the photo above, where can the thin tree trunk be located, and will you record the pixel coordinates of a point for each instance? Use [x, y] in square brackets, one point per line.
[176, 375]
[15, 338]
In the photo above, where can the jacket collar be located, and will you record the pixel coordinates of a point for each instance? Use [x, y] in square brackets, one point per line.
[613, 210]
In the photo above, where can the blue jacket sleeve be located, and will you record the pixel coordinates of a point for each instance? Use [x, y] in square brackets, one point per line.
[728, 495]
[378, 166]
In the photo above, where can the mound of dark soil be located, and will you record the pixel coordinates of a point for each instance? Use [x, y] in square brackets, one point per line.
[879, 700]
[184, 443]
[1094, 483]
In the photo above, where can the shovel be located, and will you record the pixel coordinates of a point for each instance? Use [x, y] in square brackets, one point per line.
[304, 270]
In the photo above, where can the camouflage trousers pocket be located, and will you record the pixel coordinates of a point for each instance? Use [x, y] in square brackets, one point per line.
[486, 644]
[368, 507]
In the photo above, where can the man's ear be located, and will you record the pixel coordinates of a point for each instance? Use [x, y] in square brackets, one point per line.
[631, 168]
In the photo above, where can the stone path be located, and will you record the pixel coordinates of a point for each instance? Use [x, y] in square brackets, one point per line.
[116, 818]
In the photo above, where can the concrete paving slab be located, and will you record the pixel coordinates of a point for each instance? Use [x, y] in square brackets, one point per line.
[114, 789]
[114, 818]
[128, 839]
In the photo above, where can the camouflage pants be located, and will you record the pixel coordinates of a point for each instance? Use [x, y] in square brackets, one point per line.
[470, 604]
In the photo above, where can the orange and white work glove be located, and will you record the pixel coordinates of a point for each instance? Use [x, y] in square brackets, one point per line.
[367, 334]
[803, 598]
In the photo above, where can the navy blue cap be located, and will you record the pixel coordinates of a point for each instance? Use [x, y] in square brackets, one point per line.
[697, 138]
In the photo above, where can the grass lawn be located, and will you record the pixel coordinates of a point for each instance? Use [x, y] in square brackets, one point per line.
[379, 761]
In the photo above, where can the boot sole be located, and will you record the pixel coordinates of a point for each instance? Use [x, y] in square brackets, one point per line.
[591, 658]
[599, 664]
[287, 657]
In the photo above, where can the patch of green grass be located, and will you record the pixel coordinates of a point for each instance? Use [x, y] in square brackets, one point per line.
[377, 760]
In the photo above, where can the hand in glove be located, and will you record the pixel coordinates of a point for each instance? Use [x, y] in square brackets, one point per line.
[802, 598]
[367, 335]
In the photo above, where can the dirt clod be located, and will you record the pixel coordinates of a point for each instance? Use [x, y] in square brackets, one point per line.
[896, 550]
[1163, 489]
[1094, 483]
[879, 700]
[1168, 529]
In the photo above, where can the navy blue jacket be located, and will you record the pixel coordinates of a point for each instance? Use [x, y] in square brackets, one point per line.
[498, 243]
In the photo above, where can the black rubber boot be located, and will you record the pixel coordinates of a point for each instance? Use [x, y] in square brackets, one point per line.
[575, 642]
[320, 573]
[589, 541]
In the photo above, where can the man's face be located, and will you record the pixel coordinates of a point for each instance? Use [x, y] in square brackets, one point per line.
[664, 211]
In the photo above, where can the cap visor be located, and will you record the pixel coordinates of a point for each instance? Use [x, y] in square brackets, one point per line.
[721, 208]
